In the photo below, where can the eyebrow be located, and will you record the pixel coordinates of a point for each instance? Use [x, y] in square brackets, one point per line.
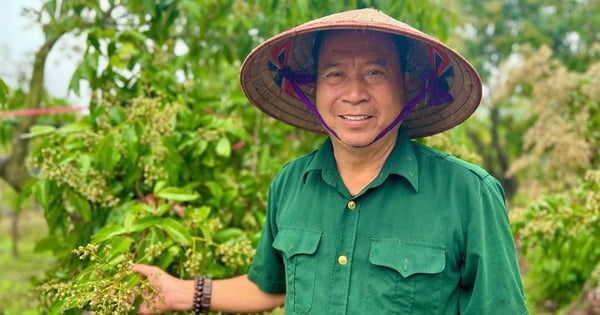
[375, 61]
[378, 61]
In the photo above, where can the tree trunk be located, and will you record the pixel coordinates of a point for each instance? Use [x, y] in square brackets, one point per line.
[12, 168]
[15, 232]
[495, 160]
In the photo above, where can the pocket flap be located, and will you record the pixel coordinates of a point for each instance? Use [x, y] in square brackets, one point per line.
[407, 258]
[293, 242]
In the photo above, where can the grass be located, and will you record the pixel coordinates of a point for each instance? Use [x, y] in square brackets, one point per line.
[17, 272]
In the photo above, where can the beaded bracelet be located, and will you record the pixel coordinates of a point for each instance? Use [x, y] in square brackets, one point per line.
[202, 295]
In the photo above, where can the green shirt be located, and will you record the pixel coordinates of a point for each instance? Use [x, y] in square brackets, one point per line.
[429, 235]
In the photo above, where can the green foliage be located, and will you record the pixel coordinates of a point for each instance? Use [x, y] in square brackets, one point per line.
[13, 100]
[541, 136]
[559, 109]
[3, 93]
[559, 239]
[135, 184]
[453, 142]
[503, 25]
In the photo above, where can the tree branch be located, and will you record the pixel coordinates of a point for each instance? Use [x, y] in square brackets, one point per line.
[13, 169]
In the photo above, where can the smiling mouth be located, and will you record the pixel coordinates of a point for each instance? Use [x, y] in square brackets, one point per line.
[355, 118]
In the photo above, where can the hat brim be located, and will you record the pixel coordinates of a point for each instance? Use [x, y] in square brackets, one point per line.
[265, 90]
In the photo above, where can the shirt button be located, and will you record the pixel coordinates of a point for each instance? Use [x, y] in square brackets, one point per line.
[342, 260]
[351, 204]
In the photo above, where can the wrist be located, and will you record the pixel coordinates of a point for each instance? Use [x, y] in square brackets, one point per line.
[184, 297]
[202, 295]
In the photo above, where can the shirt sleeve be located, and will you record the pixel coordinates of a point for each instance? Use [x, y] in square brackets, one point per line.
[490, 276]
[267, 269]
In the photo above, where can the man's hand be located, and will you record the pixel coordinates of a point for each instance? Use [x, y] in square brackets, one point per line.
[173, 294]
[233, 295]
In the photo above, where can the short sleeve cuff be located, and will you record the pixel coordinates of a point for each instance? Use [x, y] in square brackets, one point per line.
[267, 285]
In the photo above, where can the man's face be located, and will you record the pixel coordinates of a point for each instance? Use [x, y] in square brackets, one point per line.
[360, 86]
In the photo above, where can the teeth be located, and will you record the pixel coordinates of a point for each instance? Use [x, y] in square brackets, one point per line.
[355, 117]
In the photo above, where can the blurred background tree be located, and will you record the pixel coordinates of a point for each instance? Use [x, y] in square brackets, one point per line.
[541, 63]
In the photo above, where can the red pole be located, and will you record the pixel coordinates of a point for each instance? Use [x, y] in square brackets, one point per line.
[41, 111]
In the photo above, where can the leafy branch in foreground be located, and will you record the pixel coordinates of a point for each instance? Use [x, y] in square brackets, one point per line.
[136, 184]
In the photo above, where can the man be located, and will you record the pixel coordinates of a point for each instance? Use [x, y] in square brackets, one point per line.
[371, 223]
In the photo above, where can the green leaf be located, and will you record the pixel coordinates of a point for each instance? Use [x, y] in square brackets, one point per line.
[82, 206]
[50, 7]
[85, 162]
[200, 147]
[130, 139]
[75, 127]
[86, 69]
[200, 213]
[176, 231]
[58, 307]
[177, 194]
[160, 185]
[74, 84]
[145, 223]
[38, 130]
[117, 259]
[150, 7]
[168, 257]
[119, 245]
[209, 160]
[3, 92]
[107, 153]
[43, 193]
[162, 208]
[131, 36]
[117, 115]
[215, 188]
[55, 215]
[223, 147]
[227, 234]
[108, 232]
[93, 39]
[46, 244]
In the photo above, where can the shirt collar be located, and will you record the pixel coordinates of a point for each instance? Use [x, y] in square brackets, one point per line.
[402, 162]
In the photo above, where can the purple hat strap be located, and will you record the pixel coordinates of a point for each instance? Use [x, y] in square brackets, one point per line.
[438, 95]
[294, 79]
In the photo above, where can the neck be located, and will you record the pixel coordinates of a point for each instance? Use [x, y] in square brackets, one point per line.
[359, 166]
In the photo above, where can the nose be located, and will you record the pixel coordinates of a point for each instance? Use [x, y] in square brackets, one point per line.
[355, 91]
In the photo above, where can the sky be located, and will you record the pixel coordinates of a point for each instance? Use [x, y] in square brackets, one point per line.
[20, 38]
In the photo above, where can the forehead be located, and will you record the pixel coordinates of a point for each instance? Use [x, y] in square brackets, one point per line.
[341, 41]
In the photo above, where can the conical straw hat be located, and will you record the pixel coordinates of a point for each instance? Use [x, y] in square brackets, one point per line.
[292, 51]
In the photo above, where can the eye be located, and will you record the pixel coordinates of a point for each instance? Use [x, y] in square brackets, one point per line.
[375, 75]
[334, 76]
[375, 72]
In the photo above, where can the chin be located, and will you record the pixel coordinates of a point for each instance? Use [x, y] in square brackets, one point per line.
[356, 142]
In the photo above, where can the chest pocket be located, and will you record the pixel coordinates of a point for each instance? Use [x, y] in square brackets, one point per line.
[405, 278]
[298, 249]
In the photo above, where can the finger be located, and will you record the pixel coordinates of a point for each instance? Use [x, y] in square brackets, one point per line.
[150, 273]
[144, 269]
[144, 310]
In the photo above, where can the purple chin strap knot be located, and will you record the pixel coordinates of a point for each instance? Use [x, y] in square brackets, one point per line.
[435, 87]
